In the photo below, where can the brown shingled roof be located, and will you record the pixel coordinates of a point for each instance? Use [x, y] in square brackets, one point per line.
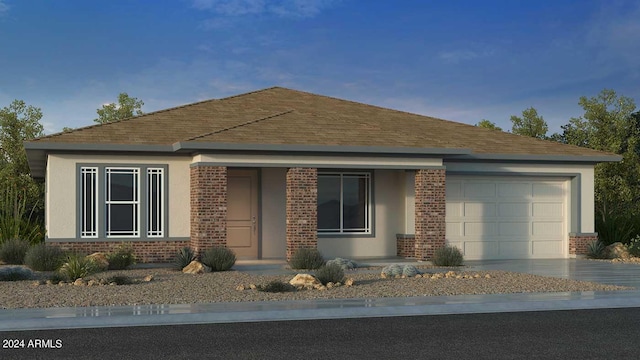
[279, 116]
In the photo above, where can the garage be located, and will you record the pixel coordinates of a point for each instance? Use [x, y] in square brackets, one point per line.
[507, 217]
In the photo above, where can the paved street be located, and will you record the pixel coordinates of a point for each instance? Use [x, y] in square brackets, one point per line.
[575, 334]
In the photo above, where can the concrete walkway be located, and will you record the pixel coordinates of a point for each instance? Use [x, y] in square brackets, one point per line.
[146, 315]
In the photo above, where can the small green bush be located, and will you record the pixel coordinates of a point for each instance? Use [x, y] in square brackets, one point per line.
[634, 246]
[77, 266]
[13, 251]
[307, 259]
[56, 278]
[122, 258]
[184, 257]
[409, 271]
[596, 250]
[613, 226]
[392, 270]
[15, 273]
[330, 273]
[448, 256]
[219, 258]
[120, 280]
[43, 257]
[345, 264]
[276, 286]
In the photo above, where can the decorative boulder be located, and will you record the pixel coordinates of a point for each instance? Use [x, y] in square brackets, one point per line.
[305, 280]
[196, 267]
[617, 250]
[100, 260]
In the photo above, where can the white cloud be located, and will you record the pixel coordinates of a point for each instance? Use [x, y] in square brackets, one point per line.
[279, 8]
[4, 8]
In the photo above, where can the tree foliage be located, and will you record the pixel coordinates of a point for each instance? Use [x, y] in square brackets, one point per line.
[19, 122]
[125, 108]
[484, 123]
[610, 124]
[530, 124]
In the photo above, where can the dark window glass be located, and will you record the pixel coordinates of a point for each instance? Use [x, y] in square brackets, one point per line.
[328, 203]
[354, 206]
[122, 187]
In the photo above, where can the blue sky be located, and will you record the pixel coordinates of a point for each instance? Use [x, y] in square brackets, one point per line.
[458, 60]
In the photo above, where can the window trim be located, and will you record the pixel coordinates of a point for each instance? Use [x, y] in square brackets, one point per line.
[369, 220]
[86, 171]
[143, 199]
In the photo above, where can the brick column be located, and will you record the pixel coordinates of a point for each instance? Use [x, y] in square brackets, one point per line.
[302, 209]
[430, 212]
[578, 242]
[208, 207]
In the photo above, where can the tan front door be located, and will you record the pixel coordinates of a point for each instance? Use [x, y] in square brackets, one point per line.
[242, 213]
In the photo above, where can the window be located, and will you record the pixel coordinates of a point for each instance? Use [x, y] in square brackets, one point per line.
[89, 202]
[122, 202]
[344, 203]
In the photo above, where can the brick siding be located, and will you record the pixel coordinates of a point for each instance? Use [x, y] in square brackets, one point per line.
[406, 245]
[145, 251]
[578, 243]
[430, 212]
[302, 209]
[208, 207]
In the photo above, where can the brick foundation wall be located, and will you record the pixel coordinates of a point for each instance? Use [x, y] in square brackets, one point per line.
[208, 207]
[430, 212]
[145, 251]
[578, 242]
[405, 245]
[302, 209]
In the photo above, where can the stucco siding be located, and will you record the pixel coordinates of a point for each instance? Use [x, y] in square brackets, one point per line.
[61, 191]
[388, 191]
[273, 213]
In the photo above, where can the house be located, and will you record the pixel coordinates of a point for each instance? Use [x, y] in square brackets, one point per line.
[270, 171]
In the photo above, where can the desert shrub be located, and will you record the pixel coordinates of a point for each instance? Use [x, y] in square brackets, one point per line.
[634, 246]
[122, 258]
[613, 227]
[330, 273]
[120, 280]
[18, 219]
[409, 271]
[56, 278]
[43, 257]
[345, 264]
[306, 258]
[219, 258]
[447, 256]
[392, 270]
[596, 250]
[15, 273]
[184, 257]
[276, 286]
[77, 266]
[13, 251]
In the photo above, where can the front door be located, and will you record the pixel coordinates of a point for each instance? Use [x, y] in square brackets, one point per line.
[242, 213]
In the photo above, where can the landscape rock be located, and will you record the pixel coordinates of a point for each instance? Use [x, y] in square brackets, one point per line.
[617, 250]
[330, 285]
[349, 282]
[79, 282]
[100, 260]
[252, 286]
[305, 280]
[196, 267]
[240, 287]
[93, 283]
[148, 278]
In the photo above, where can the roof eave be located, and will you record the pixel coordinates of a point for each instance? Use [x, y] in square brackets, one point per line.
[540, 157]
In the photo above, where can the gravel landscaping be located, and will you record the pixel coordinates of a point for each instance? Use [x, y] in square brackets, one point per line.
[173, 287]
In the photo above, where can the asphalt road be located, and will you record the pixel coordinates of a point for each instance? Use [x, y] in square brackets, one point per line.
[578, 334]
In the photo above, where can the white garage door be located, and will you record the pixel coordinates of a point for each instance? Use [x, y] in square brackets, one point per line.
[507, 217]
